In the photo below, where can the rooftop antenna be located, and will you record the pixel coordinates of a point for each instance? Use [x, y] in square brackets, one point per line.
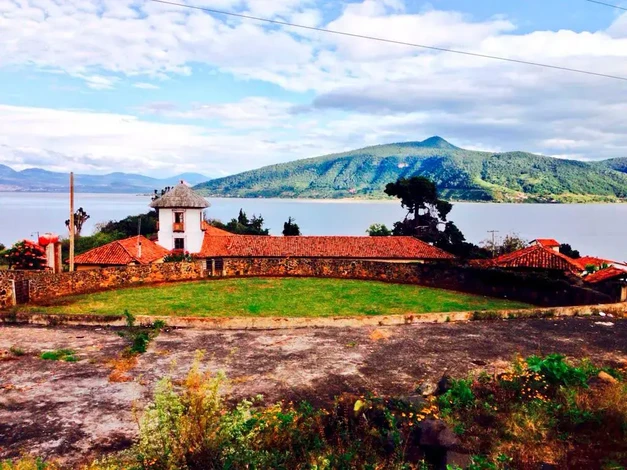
[493, 245]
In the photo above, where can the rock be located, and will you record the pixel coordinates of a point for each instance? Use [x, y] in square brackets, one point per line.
[444, 385]
[415, 400]
[607, 378]
[458, 459]
[435, 433]
[427, 388]
[602, 314]
[604, 323]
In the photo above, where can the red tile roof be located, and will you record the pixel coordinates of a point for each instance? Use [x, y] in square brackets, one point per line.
[593, 260]
[214, 231]
[122, 252]
[320, 247]
[547, 242]
[533, 257]
[605, 275]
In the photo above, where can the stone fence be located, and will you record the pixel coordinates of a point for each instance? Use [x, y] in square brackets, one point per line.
[533, 288]
[44, 286]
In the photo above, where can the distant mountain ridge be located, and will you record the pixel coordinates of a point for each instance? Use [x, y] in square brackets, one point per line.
[463, 175]
[36, 179]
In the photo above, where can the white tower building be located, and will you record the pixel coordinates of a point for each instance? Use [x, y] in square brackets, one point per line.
[181, 219]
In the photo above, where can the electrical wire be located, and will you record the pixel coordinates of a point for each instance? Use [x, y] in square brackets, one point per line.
[392, 41]
[607, 4]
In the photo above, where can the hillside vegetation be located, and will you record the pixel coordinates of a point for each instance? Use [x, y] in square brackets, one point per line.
[463, 175]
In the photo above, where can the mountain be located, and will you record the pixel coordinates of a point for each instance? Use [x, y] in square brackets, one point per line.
[36, 179]
[464, 175]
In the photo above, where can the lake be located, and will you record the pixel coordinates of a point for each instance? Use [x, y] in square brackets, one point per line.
[594, 229]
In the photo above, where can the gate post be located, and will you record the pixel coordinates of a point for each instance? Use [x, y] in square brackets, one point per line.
[13, 296]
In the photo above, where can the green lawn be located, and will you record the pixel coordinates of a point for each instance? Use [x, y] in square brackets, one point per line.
[286, 297]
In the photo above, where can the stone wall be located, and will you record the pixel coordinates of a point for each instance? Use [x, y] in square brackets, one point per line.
[535, 288]
[6, 293]
[45, 286]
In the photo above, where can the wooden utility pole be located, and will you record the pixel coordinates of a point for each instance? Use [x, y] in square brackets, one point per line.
[71, 222]
[493, 241]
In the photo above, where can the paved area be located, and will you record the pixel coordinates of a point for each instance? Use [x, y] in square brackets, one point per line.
[72, 410]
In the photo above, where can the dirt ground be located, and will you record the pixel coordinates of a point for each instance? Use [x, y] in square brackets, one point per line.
[72, 410]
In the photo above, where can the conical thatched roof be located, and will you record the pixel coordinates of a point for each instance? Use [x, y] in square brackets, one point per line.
[180, 196]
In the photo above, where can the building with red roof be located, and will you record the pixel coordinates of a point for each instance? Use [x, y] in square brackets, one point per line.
[534, 257]
[129, 251]
[344, 247]
[549, 243]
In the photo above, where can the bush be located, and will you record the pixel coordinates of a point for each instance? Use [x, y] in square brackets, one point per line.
[67, 355]
[25, 255]
[178, 256]
[556, 371]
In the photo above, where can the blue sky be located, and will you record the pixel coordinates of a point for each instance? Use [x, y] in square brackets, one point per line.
[131, 85]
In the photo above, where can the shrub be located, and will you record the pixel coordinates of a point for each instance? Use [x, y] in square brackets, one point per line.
[26, 255]
[556, 371]
[459, 396]
[178, 256]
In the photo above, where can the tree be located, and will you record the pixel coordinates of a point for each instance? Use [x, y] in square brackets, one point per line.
[426, 213]
[378, 230]
[244, 226]
[290, 228]
[80, 217]
[510, 243]
[129, 226]
[567, 250]
[26, 255]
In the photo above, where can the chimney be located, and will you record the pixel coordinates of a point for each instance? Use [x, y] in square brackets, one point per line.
[139, 248]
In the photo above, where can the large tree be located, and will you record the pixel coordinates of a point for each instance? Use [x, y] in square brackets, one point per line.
[510, 243]
[426, 217]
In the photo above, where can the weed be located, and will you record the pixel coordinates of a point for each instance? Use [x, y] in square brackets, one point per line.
[16, 351]
[352, 344]
[556, 371]
[448, 319]
[485, 315]
[130, 319]
[459, 396]
[67, 355]
[159, 325]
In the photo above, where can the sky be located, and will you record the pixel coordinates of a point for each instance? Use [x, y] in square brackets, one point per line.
[95, 86]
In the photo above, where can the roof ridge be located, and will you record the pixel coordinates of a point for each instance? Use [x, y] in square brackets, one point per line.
[119, 242]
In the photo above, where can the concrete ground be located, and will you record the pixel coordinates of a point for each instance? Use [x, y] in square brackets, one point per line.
[72, 410]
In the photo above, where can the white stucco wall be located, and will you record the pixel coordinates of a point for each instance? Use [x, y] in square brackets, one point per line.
[193, 234]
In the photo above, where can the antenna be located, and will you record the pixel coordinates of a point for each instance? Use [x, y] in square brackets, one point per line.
[493, 245]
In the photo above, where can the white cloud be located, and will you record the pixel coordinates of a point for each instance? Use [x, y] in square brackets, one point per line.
[146, 86]
[364, 91]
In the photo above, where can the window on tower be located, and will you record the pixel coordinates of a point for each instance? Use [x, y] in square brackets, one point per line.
[179, 243]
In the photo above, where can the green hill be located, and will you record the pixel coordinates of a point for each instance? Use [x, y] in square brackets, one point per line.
[464, 175]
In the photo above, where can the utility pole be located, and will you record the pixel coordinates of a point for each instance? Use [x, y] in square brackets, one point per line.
[71, 221]
[493, 242]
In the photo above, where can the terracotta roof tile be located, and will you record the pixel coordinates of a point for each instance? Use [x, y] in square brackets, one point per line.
[593, 260]
[320, 247]
[605, 275]
[122, 252]
[547, 242]
[215, 231]
[534, 257]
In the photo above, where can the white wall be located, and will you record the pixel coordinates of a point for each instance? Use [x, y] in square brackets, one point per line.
[193, 234]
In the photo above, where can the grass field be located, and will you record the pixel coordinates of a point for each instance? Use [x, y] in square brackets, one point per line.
[286, 297]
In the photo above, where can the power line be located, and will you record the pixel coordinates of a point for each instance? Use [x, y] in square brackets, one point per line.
[392, 41]
[607, 4]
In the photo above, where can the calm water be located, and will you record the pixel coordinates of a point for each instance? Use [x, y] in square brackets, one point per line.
[595, 229]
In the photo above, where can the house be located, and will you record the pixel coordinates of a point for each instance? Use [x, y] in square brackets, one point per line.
[181, 226]
[611, 280]
[535, 257]
[181, 220]
[548, 243]
[586, 261]
[330, 247]
[129, 251]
